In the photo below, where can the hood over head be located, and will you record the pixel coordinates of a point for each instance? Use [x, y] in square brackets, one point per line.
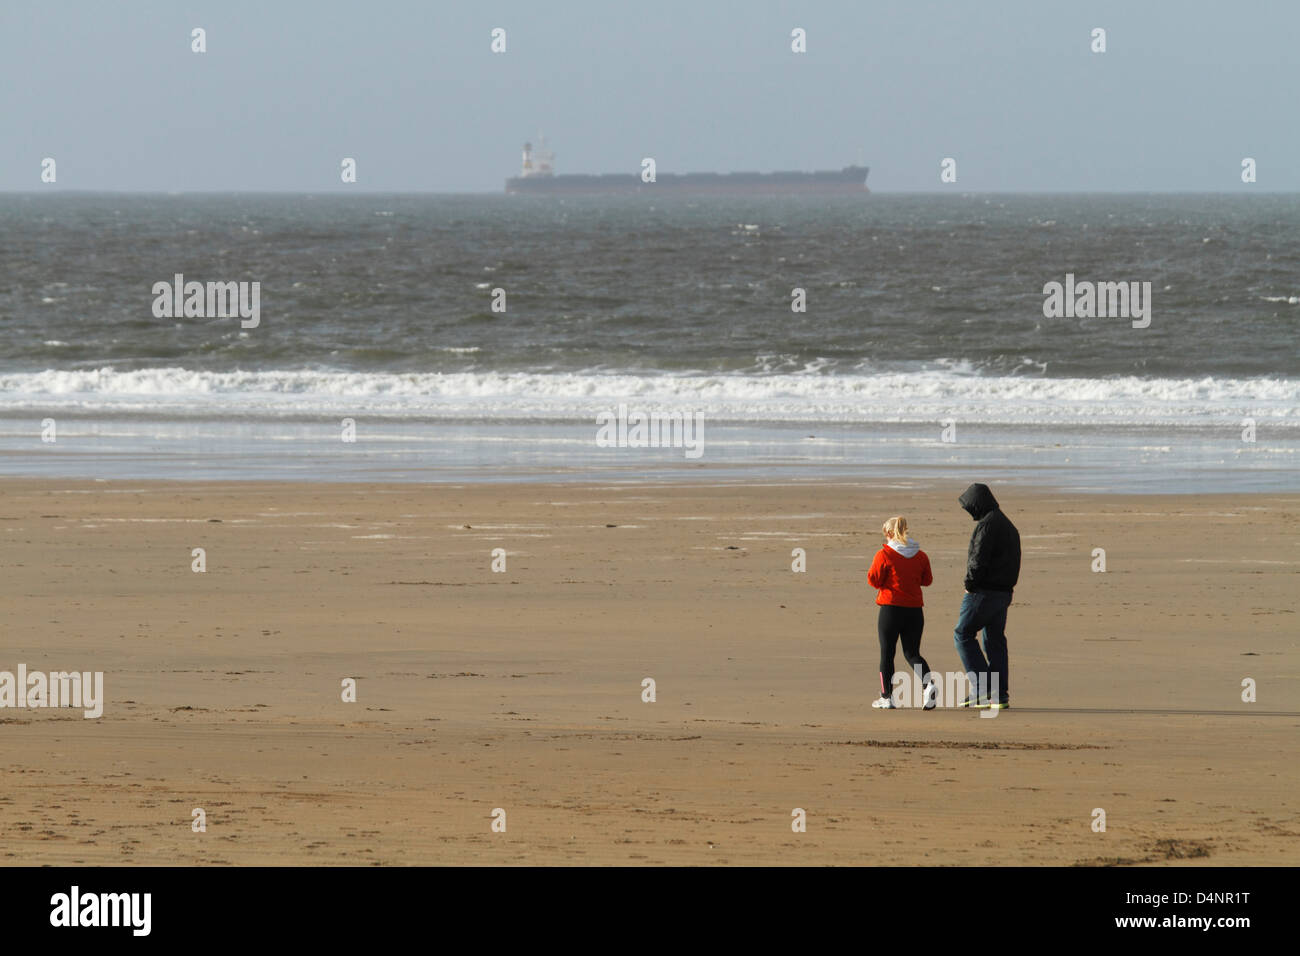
[906, 550]
[978, 501]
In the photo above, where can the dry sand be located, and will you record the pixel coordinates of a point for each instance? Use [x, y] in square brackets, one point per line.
[522, 690]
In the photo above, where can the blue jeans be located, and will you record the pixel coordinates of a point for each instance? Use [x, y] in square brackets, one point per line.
[986, 610]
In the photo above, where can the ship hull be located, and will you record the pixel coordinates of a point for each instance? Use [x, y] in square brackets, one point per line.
[851, 180]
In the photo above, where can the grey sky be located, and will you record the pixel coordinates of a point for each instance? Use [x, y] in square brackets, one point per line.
[1009, 89]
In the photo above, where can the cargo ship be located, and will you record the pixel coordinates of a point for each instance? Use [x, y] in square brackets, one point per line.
[537, 176]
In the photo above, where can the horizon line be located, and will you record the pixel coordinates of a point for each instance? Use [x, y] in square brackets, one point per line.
[340, 190]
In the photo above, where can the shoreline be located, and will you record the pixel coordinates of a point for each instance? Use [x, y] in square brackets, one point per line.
[1125, 460]
[902, 478]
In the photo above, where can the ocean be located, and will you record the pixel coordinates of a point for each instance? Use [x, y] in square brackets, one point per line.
[922, 346]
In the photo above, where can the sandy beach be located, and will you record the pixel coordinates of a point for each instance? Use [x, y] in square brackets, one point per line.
[522, 689]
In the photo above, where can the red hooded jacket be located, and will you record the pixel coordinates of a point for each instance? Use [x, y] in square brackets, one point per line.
[899, 578]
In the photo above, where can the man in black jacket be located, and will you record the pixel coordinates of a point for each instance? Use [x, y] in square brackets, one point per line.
[992, 569]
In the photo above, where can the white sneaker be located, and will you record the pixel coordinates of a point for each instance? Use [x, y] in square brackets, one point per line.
[931, 696]
[884, 703]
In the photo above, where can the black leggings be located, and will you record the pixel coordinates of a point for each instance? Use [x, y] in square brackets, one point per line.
[894, 623]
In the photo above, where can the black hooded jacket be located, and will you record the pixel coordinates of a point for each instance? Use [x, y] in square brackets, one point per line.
[993, 562]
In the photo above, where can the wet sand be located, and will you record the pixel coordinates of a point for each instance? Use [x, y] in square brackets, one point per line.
[522, 690]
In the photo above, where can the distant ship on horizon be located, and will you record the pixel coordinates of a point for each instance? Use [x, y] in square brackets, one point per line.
[537, 176]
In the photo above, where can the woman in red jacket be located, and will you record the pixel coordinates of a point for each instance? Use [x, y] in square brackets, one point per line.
[899, 572]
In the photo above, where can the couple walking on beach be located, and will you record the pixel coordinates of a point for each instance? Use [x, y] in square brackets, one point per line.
[901, 569]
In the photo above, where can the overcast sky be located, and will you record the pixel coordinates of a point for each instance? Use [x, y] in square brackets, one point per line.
[412, 91]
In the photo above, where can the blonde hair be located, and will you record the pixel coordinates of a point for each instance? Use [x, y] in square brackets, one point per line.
[896, 528]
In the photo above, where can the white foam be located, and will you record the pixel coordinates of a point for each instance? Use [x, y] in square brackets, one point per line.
[898, 397]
